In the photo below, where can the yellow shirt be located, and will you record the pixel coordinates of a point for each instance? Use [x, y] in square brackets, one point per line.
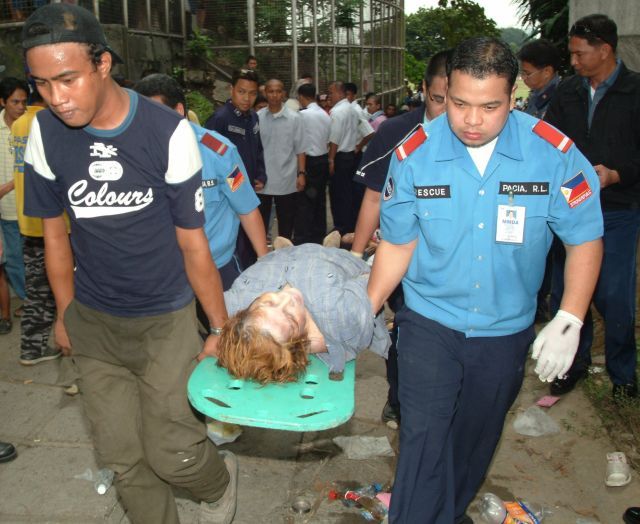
[29, 226]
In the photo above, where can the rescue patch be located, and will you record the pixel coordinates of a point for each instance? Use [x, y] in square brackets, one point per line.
[432, 191]
[214, 144]
[549, 133]
[576, 190]
[235, 179]
[388, 189]
[412, 143]
[209, 183]
[524, 188]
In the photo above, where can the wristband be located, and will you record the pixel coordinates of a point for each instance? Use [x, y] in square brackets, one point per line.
[215, 331]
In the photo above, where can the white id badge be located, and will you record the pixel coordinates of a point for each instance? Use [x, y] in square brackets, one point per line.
[510, 227]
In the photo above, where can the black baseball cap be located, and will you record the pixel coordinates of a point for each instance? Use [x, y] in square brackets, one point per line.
[58, 23]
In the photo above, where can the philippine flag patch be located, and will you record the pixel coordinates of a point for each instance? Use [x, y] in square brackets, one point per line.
[235, 179]
[388, 189]
[576, 190]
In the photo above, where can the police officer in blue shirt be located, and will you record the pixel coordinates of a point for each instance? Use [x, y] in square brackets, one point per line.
[229, 199]
[467, 214]
[237, 121]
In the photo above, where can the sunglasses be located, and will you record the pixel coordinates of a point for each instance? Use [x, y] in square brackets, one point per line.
[585, 31]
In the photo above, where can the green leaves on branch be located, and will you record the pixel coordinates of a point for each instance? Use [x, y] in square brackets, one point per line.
[435, 29]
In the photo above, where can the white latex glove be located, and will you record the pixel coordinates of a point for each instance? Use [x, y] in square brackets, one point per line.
[555, 346]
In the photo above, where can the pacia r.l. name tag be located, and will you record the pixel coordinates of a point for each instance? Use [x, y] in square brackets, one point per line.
[524, 188]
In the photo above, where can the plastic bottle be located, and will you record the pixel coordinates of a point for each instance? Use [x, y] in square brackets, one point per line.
[374, 507]
[103, 480]
[492, 509]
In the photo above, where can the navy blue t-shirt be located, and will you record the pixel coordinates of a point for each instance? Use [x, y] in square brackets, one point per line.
[125, 191]
[374, 166]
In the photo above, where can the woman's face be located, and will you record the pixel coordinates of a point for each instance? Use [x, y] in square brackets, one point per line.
[282, 313]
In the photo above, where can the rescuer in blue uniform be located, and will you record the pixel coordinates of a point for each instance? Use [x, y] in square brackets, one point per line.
[467, 213]
[229, 198]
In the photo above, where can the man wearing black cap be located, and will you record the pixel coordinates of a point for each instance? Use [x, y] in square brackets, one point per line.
[127, 171]
[599, 109]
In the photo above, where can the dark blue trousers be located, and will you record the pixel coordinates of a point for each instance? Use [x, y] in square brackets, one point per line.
[454, 395]
[614, 297]
[341, 192]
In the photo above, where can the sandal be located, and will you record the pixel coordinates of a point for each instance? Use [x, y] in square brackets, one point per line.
[618, 472]
[18, 312]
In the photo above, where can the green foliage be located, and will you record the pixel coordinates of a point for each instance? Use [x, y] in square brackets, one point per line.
[199, 45]
[514, 37]
[413, 68]
[200, 105]
[345, 13]
[438, 28]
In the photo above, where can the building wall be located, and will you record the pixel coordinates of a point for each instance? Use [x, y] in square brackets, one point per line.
[626, 14]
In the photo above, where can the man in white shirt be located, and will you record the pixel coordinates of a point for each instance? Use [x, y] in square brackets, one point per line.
[345, 196]
[311, 222]
[283, 140]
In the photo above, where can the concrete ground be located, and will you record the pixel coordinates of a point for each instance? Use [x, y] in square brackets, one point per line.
[563, 472]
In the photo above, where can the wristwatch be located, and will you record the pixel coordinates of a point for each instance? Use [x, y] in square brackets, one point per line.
[215, 331]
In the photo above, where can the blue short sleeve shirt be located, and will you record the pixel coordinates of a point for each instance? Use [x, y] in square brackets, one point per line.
[461, 275]
[227, 192]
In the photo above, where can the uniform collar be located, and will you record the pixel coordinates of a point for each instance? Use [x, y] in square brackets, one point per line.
[236, 111]
[451, 147]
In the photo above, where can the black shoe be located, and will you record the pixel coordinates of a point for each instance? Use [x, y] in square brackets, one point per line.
[561, 386]
[390, 416]
[7, 452]
[625, 392]
[465, 519]
[631, 516]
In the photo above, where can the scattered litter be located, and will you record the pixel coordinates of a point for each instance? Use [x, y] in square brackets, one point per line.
[87, 474]
[385, 498]
[366, 498]
[359, 447]
[28, 381]
[103, 480]
[301, 506]
[547, 401]
[618, 471]
[595, 370]
[222, 432]
[534, 422]
[494, 510]
[72, 390]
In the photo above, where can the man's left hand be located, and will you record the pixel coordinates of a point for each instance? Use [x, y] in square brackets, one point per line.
[301, 182]
[607, 176]
[555, 346]
[210, 348]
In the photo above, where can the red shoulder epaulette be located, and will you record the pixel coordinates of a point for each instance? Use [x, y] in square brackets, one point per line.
[411, 143]
[214, 144]
[549, 133]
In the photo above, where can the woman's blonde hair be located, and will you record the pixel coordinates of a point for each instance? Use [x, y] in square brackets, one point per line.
[248, 351]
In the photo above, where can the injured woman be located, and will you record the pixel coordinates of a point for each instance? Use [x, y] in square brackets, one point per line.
[296, 301]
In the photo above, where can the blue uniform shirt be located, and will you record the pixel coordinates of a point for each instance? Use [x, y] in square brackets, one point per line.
[459, 275]
[227, 192]
[243, 129]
